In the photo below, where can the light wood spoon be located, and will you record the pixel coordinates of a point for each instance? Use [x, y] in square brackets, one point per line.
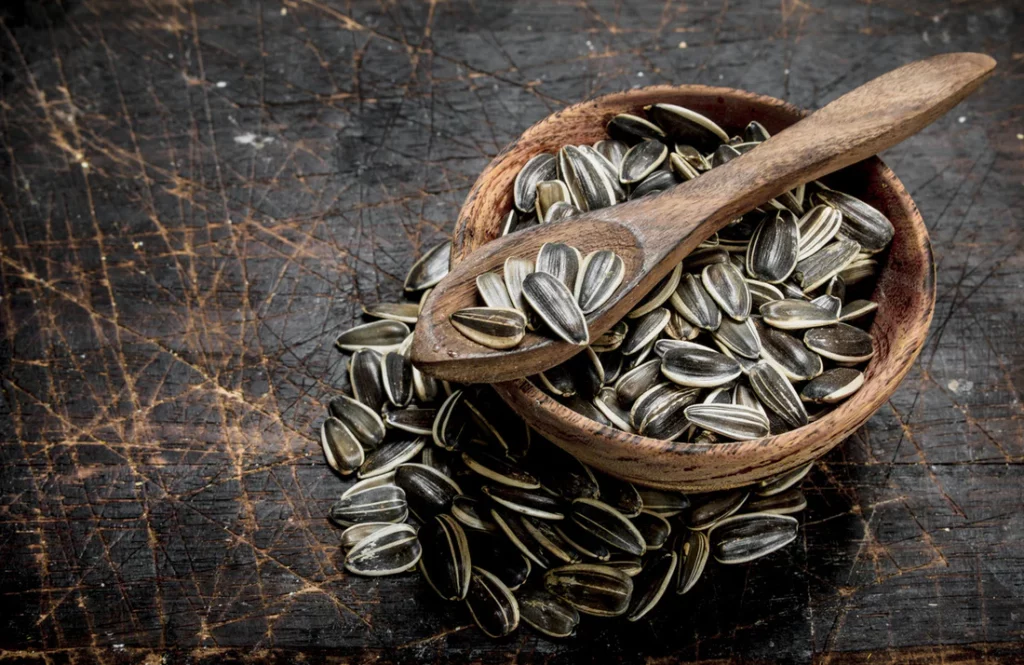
[653, 234]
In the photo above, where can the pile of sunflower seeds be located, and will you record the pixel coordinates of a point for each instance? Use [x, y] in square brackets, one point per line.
[754, 333]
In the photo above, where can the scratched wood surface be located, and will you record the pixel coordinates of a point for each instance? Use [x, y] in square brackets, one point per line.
[194, 198]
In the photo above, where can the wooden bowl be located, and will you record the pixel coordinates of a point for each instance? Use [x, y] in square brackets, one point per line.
[905, 293]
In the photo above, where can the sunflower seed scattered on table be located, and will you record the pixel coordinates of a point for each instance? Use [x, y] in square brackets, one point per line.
[764, 321]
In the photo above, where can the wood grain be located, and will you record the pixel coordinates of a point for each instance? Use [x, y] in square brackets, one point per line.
[653, 233]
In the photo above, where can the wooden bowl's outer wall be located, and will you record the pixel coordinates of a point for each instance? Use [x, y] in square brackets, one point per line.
[905, 292]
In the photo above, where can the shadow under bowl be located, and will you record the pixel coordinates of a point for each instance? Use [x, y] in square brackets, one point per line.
[905, 291]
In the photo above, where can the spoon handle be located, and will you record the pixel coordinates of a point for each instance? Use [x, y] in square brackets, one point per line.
[861, 123]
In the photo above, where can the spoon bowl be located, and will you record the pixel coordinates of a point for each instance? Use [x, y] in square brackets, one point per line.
[905, 292]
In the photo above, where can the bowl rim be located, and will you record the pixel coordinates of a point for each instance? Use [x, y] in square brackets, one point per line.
[767, 456]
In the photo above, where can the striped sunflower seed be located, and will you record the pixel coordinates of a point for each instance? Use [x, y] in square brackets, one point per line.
[680, 329]
[491, 288]
[425, 387]
[654, 528]
[495, 553]
[730, 420]
[544, 612]
[500, 470]
[694, 550]
[538, 169]
[510, 524]
[341, 448]
[856, 309]
[818, 227]
[688, 127]
[560, 210]
[725, 284]
[665, 416]
[406, 312]
[612, 150]
[777, 393]
[608, 525]
[590, 188]
[385, 503]
[353, 534]
[583, 541]
[412, 420]
[645, 330]
[789, 355]
[790, 314]
[628, 564]
[446, 562]
[650, 585]
[743, 538]
[427, 491]
[664, 503]
[587, 372]
[789, 502]
[608, 170]
[858, 270]
[723, 154]
[830, 260]
[656, 182]
[388, 551]
[561, 472]
[515, 272]
[739, 337]
[595, 589]
[632, 129]
[554, 303]
[833, 386]
[396, 377]
[430, 268]
[637, 381]
[659, 295]
[773, 249]
[841, 342]
[472, 513]
[783, 481]
[695, 304]
[380, 335]
[695, 365]
[532, 504]
[621, 495]
[545, 535]
[561, 261]
[683, 168]
[450, 426]
[862, 223]
[712, 508]
[491, 604]
[549, 194]
[611, 339]
[367, 483]
[762, 292]
[829, 304]
[492, 327]
[599, 276]
[755, 132]
[641, 160]
[558, 380]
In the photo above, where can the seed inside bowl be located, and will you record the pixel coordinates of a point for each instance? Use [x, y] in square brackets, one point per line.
[758, 330]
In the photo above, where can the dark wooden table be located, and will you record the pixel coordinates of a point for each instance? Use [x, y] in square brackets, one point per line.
[197, 195]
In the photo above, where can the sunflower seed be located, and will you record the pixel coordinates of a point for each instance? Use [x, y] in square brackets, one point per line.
[773, 249]
[555, 304]
[385, 503]
[628, 564]
[424, 386]
[818, 227]
[762, 292]
[656, 182]
[430, 268]
[836, 287]
[783, 481]
[511, 224]
[495, 553]
[450, 432]
[533, 504]
[665, 417]
[491, 604]
[695, 304]
[561, 472]
[828, 261]
[777, 393]
[396, 377]
[740, 337]
[590, 188]
[859, 270]
[612, 150]
[599, 276]
[587, 372]
[755, 131]
[680, 329]
[788, 502]
[389, 455]
[685, 126]
[684, 168]
[833, 386]
[511, 525]
[645, 330]
[498, 469]
[492, 291]
[582, 540]
[367, 483]
[644, 404]
[560, 210]
[641, 160]
[548, 194]
[695, 365]
[545, 535]
[841, 342]
[712, 508]
[608, 170]
[561, 261]
[515, 271]
[472, 513]
[724, 395]
[341, 448]
[729, 420]
[412, 420]
[558, 381]
[388, 551]
[379, 335]
[693, 556]
[546, 613]
[654, 529]
[427, 491]
[788, 354]
[856, 309]
[595, 589]
[364, 377]
[661, 502]
[586, 408]
[743, 538]
[861, 222]
[650, 585]
[631, 128]
[725, 284]
[611, 339]
[406, 312]
[829, 304]
[538, 169]
[792, 314]
[492, 327]
[637, 381]
[353, 534]
[446, 561]
[621, 495]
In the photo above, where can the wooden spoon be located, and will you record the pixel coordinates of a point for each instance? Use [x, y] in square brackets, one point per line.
[653, 234]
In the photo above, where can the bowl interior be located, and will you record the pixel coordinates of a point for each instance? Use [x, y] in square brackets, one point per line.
[905, 292]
